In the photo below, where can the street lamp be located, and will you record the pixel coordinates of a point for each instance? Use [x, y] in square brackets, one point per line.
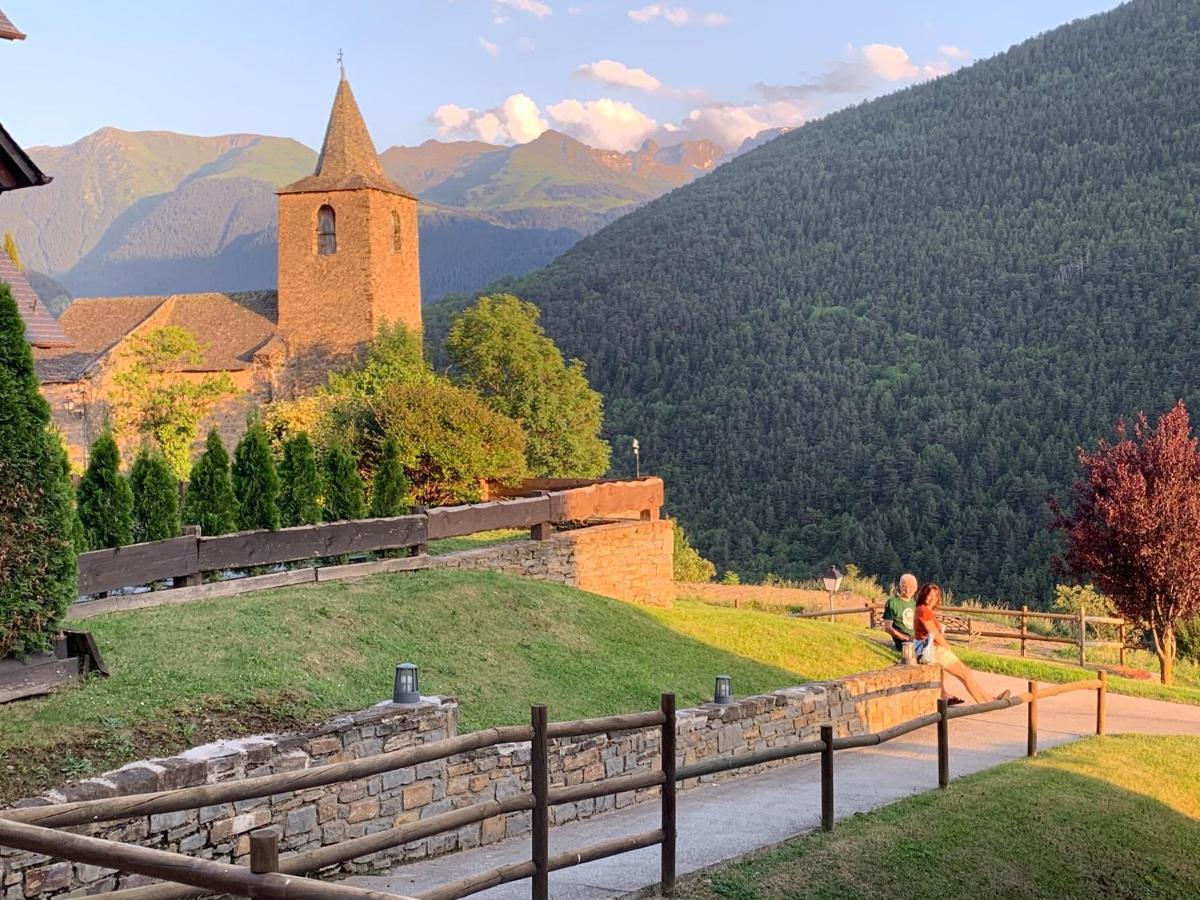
[833, 580]
[407, 687]
[723, 692]
[637, 458]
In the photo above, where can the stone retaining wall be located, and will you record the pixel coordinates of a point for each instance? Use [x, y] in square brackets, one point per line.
[319, 816]
[631, 560]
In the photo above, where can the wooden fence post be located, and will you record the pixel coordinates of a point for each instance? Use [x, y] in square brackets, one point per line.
[1122, 637]
[541, 531]
[827, 778]
[1024, 627]
[943, 737]
[539, 776]
[264, 851]
[970, 632]
[192, 578]
[1031, 741]
[1082, 634]
[1101, 702]
[669, 829]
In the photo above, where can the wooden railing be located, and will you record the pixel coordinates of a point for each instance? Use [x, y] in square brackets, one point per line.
[973, 615]
[185, 560]
[269, 875]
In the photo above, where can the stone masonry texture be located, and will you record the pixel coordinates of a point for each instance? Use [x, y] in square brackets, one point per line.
[319, 816]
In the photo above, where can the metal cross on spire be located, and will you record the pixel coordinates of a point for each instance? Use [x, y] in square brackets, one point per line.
[340, 57]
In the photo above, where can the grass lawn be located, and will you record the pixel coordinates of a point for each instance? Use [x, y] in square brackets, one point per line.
[1106, 817]
[275, 659]
[477, 541]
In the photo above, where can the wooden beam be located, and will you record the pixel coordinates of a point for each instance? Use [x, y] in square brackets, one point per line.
[261, 548]
[105, 570]
[230, 588]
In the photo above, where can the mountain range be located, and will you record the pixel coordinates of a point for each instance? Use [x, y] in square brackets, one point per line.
[158, 212]
[881, 338]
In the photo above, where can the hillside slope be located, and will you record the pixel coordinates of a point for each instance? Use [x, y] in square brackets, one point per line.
[881, 337]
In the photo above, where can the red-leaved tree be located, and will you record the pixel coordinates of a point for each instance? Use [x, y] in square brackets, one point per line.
[1135, 527]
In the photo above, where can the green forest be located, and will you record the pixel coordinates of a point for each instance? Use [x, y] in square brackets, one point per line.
[881, 338]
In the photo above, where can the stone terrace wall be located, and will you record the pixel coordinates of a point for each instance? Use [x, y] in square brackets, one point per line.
[308, 819]
[624, 560]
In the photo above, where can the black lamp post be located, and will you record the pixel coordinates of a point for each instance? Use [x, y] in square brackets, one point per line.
[407, 688]
[723, 692]
[833, 580]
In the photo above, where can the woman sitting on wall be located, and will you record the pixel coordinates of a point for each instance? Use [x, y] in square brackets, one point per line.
[929, 629]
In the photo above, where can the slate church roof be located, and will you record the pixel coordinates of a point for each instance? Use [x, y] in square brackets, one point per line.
[348, 160]
[8, 30]
[231, 328]
[41, 328]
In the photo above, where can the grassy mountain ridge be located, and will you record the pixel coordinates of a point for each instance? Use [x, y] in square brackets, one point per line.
[158, 212]
[881, 337]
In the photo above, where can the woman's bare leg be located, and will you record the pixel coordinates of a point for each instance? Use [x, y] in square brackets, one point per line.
[967, 677]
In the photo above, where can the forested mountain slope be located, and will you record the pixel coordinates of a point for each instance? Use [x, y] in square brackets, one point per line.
[881, 337]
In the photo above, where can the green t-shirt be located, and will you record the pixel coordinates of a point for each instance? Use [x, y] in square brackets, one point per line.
[901, 613]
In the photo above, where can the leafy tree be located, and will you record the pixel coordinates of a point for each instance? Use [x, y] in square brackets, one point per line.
[389, 487]
[155, 497]
[10, 247]
[299, 483]
[151, 396]
[449, 441]
[730, 577]
[1135, 526]
[210, 501]
[105, 499]
[37, 520]
[690, 566]
[255, 480]
[502, 353]
[395, 356]
[343, 486]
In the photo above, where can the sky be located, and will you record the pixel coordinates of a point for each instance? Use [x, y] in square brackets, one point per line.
[611, 73]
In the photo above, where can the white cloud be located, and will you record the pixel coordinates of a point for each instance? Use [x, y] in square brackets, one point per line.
[729, 124]
[889, 62]
[605, 123]
[676, 15]
[617, 74]
[516, 121]
[533, 7]
[935, 69]
[499, 19]
[526, 45]
[489, 46]
[574, 11]
[954, 52]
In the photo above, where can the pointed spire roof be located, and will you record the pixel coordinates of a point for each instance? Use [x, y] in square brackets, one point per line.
[348, 160]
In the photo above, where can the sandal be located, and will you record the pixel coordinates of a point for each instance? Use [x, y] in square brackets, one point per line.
[954, 701]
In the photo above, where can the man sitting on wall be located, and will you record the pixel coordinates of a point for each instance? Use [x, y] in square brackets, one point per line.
[899, 613]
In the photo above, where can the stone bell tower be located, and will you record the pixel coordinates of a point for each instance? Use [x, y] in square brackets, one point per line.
[348, 253]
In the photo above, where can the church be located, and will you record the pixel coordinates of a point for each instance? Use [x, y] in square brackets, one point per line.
[348, 263]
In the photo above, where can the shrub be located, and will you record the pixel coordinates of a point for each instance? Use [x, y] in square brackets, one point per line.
[210, 502]
[690, 566]
[255, 480]
[389, 488]
[105, 500]
[730, 577]
[155, 497]
[37, 521]
[343, 486]
[299, 483]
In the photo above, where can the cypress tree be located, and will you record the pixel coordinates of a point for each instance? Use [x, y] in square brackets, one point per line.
[255, 480]
[155, 498]
[299, 483]
[343, 486]
[210, 502]
[105, 500]
[389, 490]
[37, 557]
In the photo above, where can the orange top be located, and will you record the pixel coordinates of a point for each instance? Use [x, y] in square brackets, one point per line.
[926, 618]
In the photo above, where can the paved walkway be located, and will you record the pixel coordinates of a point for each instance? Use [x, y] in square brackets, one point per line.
[721, 821]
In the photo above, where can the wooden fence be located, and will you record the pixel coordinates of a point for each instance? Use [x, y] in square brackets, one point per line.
[965, 620]
[185, 560]
[34, 828]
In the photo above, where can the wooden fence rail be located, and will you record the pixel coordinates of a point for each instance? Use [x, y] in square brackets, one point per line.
[1080, 640]
[270, 876]
[184, 560]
